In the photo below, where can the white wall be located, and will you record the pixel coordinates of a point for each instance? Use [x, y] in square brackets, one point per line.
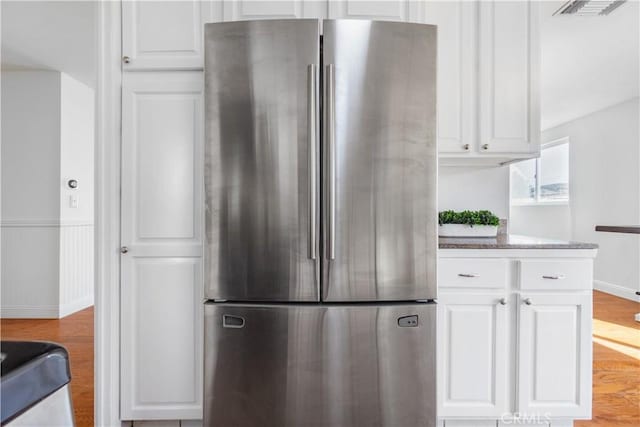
[474, 189]
[76, 149]
[77, 132]
[47, 247]
[604, 158]
[551, 222]
[30, 193]
[30, 145]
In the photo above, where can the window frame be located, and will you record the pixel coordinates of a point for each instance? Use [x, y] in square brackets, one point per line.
[538, 201]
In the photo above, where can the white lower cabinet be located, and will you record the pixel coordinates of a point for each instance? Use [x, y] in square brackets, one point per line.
[555, 354]
[516, 352]
[472, 352]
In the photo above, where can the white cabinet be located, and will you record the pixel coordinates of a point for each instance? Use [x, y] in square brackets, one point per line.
[555, 354]
[514, 337]
[509, 53]
[389, 10]
[239, 10]
[472, 353]
[161, 264]
[457, 73]
[488, 80]
[488, 59]
[165, 34]
[169, 35]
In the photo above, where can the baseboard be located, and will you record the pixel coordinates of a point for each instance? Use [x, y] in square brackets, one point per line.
[617, 290]
[77, 305]
[29, 312]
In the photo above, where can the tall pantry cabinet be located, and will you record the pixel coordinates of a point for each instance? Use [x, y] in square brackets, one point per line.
[480, 103]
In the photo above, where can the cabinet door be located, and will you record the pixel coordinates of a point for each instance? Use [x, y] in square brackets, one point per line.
[390, 10]
[161, 270]
[457, 29]
[240, 10]
[509, 62]
[165, 34]
[554, 369]
[472, 355]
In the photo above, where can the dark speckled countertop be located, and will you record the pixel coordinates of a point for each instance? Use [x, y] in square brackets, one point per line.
[509, 241]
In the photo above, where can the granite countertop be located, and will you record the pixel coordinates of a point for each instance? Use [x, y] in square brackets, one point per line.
[509, 241]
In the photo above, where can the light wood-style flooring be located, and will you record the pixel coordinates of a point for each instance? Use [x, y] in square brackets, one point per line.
[616, 359]
[616, 363]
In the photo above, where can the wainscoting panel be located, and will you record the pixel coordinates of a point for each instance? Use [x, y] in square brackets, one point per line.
[76, 268]
[47, 268]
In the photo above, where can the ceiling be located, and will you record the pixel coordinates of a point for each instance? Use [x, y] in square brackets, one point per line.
[50, 35]
[588, 63]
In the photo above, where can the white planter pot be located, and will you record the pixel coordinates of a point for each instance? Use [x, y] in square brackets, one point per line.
[464, 230]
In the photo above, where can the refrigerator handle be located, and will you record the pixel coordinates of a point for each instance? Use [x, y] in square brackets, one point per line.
[312, 120]
[329, 142]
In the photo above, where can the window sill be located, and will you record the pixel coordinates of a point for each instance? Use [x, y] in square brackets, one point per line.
[543, 203]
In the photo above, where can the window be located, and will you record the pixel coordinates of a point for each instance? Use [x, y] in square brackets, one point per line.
[544, 180]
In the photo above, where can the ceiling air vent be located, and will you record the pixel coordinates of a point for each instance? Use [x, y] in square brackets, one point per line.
[589, 7]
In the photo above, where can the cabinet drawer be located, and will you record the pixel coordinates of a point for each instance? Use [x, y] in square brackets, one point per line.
[556, 274]
[472, 273]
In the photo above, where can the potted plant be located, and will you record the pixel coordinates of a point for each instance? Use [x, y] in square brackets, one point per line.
[468, 224]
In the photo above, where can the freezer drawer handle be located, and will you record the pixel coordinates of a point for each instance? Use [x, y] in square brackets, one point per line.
[229, 321]
[408, 321]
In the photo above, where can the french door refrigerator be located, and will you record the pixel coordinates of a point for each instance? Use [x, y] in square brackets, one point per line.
[321, 231]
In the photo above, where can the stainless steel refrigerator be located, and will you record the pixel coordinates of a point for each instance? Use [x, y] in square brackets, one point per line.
[321, 229]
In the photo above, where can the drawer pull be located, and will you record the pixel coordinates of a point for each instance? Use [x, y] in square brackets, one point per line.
[502, 301]
[558, 277]
[468, 275]
[528, 301]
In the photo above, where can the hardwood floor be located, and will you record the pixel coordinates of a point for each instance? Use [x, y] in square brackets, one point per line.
[616, 363]
[75, 332]
[616, 359]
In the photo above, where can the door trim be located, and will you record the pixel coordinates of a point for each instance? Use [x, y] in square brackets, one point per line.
[107, 215]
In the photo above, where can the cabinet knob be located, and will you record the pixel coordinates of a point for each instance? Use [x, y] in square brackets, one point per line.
[124, 250]
[468, 275]
[528, 301]
[503, 301]
[126, 59]
[485, 146]
[465, 147]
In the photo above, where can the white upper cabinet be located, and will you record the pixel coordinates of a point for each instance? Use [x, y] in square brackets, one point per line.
[239, 10]
[509, 53]
[488, 59]
[392, 10]
[165, 34]
[457, 29]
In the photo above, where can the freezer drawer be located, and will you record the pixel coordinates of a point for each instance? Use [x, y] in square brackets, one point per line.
[320, 365]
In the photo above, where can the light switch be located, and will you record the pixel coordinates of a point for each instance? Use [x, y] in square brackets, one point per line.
[73, 201]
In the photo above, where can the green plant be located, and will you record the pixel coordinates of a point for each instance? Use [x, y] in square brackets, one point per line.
[470, 218]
